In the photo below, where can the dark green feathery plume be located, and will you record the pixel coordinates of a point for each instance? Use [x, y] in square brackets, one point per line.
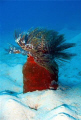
[45, 46]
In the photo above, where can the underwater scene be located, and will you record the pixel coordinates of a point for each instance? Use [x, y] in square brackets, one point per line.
[40, 60]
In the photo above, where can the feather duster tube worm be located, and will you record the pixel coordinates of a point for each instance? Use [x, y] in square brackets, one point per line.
[43, 47]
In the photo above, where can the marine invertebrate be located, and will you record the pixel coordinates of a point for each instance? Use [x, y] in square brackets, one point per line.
[43, 48]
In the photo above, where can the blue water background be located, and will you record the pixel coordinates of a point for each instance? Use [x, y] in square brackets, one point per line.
[22, 15]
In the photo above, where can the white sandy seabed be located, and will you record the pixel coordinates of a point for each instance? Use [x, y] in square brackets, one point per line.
[62, 104]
